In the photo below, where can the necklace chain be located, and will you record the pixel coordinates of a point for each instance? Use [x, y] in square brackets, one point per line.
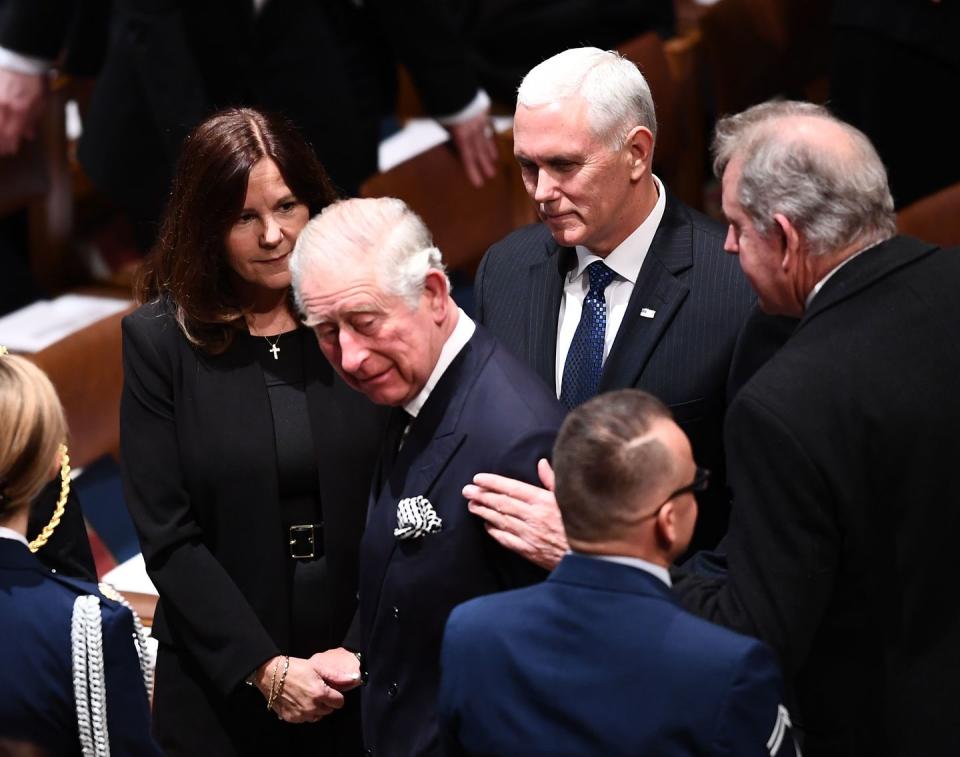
[274, 348]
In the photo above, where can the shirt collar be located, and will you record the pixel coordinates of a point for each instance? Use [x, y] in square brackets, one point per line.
[9, 533]
[627, 258]
[658, 571]
[451, 348]
[819, 285]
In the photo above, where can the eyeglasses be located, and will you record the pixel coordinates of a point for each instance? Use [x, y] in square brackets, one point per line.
[701, 479]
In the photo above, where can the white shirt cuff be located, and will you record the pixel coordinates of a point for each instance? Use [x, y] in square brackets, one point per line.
[23, 64]
[478, 105]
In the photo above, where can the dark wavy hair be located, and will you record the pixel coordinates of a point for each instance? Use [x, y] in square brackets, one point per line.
[188, 266]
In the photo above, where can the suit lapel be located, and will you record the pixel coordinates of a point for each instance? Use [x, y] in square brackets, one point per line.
[864, 270]
[433, 439]
[544, 292]
[657, 289]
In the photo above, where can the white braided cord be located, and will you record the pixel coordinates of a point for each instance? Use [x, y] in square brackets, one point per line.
[89, 686]
[139, 636]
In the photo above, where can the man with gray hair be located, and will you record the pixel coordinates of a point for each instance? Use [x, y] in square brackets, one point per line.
[600, 659]
[620, 285]
[842, 447]
[372, 286]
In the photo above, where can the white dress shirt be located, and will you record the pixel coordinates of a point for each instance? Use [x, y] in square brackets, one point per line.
[451, 348]
[653, 569]
[625, 261]
[9, 533]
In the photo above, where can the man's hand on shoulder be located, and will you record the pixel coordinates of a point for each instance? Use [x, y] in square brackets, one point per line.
[522, 517]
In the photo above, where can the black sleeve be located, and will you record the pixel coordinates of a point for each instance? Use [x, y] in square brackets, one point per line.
[214, 622]
[37, 28]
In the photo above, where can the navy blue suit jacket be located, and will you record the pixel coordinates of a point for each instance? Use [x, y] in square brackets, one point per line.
[682, 355]
[600, 660]
[37, 705]
[487, 413]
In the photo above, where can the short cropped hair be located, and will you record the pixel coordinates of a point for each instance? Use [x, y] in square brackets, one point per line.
[607, 464]
[617, 96]
[836, 195]
[32, 426]
[383, 227]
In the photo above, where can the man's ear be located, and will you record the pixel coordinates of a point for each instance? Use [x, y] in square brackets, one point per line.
[666, 527]
[791, 240]
[639, 144]
[437, 291]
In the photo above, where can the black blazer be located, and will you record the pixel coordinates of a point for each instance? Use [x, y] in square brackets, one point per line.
[199, 472]
[487, 413]
[682, 355]
[843, 453]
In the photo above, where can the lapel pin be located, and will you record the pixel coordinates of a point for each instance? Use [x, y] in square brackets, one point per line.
[647, 313]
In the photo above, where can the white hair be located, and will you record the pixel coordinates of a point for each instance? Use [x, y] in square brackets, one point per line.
[835, 194]
[617, 96]
[383, 228]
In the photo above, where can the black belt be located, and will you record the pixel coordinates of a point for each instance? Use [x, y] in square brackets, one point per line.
[306, 541]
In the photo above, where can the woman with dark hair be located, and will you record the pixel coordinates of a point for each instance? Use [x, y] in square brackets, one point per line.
[246, 460]
[69, 672]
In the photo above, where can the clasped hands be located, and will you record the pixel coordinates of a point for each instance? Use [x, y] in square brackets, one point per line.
[522, 517]
[312, 688]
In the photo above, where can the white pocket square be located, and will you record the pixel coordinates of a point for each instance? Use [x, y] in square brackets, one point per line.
[416, 517]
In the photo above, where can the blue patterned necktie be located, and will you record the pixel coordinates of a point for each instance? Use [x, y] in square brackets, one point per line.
[581, 371]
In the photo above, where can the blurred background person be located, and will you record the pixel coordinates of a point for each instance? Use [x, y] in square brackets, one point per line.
[246, 461]
[328, 66]
[600, 658]
[38, 712]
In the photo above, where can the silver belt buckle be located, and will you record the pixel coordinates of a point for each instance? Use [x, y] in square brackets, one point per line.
[303, 542]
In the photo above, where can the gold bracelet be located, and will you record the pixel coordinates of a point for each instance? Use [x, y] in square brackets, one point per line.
[283, 676]
[273, 685]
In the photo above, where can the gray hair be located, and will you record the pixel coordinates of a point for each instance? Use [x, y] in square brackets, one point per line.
[618, 97]
[382, 227]
[835, 192]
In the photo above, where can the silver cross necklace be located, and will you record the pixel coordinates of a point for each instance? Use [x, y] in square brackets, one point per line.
[274, 349]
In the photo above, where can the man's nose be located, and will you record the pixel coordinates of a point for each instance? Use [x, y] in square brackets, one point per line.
[730, 243]
[546, 188]
[352, 351]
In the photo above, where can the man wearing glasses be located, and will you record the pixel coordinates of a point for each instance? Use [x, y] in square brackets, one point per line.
[600, 658]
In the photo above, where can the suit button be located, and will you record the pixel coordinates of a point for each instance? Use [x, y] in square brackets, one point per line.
[392, 690]
[396, 613]
[358, 596]
[368, 752]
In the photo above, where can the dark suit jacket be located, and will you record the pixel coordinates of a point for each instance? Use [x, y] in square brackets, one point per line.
[36, 673]
[601, 660]
[682, 355]
[843, 452]
[487, 413]
[200, 478]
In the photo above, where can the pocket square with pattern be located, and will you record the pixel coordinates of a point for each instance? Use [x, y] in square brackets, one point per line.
[415, 518]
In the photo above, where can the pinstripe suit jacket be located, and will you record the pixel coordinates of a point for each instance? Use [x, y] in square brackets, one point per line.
[682, 355]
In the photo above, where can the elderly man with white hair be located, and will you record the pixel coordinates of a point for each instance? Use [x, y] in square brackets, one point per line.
[620, 285]
[843, 445]
[372, 286]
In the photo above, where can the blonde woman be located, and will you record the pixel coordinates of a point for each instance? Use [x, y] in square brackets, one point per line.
[69, 669]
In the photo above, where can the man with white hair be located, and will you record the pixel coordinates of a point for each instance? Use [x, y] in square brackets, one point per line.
[843, 446]
[620, 285]
[372, 286]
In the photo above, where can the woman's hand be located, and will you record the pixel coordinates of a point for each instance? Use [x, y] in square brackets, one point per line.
[305, 697]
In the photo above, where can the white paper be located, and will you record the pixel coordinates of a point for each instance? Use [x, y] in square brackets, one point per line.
[131, 576]
[42, 323]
